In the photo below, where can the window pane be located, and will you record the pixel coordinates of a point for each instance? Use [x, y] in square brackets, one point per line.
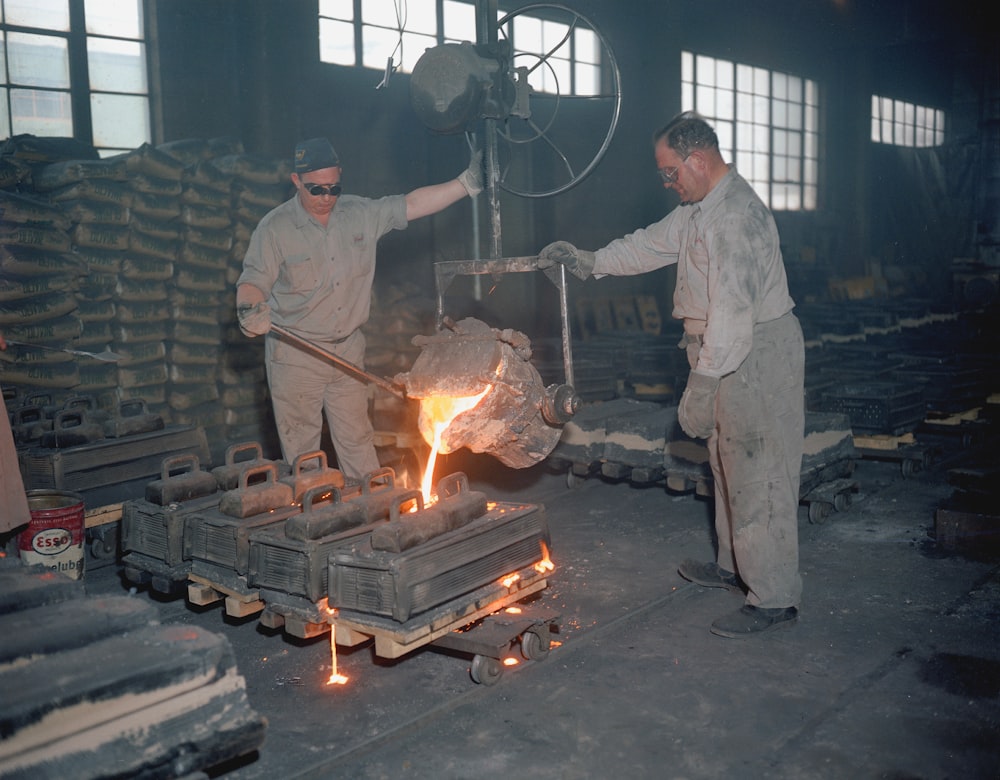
[120, 18]
[724, 74]
[724, 104]
[779, 83]
[744, 107]
[762, 82]
[687, 67]
[555, 78]
[384, 13]
[724, 130]
[116, 66]
[336, 42]
[687, 97]
[762, 110]
[379, 44]
[413, 48]
[459, 21]
[810, 201]
[705, 70]
[38, 60]
[527, 34]
[586, 47]
[744, 78]
[120, 121]
[588, 79]
[338, 9]
[553, 35]
[41, 112]
[48, 14]
[761, 167]
[3, 59]
[744, 136]
[704, 100]
[761, 138]
[420, 16]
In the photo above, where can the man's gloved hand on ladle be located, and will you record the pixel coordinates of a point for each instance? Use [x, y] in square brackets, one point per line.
[255, 318]
[578, 262]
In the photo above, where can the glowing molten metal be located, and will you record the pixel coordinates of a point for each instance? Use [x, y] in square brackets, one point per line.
[436, 414]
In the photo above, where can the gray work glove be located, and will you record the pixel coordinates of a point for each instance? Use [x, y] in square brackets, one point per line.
[255, 318]
[578, 262]
[472, 177]
[696, 411]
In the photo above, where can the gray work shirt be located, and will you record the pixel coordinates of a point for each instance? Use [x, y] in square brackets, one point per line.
[730, 273]
[317, 279]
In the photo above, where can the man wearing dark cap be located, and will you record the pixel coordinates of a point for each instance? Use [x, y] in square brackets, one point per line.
[309, 268]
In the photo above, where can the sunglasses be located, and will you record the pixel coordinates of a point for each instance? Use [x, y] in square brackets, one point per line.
[668, 175]
[333, 190]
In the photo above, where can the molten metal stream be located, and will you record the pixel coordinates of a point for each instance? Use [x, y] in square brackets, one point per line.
[436, 414]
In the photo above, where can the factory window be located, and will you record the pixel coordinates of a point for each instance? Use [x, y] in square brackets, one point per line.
[905, 124]
[767, 123]
[74, 68]
[380, 33]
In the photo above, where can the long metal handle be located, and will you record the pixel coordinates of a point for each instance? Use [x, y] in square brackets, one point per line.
[567, 337]
[107, 356]
[385, 384]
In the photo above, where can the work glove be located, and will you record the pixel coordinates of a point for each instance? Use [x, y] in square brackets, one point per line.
[255, 318]
[472, 177]
[696, 411]
[578, 262]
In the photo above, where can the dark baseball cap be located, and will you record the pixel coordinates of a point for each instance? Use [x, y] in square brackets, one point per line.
[315, 155]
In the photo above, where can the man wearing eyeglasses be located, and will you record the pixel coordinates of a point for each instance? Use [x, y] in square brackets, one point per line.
[745, 390]
[309, 268]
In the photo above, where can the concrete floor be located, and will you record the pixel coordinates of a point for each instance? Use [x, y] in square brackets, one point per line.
[893, 670]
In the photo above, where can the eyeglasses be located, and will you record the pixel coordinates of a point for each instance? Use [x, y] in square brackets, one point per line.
[333, 190]
[668, 175]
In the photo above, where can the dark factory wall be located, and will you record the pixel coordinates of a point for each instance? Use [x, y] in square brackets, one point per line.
[248, 68]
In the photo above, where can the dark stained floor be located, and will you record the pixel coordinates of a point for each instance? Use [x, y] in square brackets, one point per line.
[893, 670]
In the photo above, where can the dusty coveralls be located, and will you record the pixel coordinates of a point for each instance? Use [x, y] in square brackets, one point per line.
[732, 293]
[318, 284]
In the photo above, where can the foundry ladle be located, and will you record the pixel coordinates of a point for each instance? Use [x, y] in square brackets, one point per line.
[107, 355]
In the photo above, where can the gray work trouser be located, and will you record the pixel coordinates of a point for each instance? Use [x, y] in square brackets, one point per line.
[305, 386]
[756, 457]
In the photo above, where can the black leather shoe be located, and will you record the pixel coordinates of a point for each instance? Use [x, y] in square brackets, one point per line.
[754, 620]
[710, 575]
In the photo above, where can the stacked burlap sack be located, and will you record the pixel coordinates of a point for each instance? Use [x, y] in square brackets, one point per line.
[137, 253]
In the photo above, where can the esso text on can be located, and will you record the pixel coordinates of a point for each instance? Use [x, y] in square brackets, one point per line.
[51, 541]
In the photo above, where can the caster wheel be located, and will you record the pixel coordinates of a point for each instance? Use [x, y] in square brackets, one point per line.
[819, 511]
[486, 670]
[535, 644]
[842, 502]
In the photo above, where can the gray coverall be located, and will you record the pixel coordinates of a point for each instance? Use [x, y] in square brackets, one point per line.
[318, 283]
[732, 294]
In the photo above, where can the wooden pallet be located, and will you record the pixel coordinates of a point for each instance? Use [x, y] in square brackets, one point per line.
[393, 639]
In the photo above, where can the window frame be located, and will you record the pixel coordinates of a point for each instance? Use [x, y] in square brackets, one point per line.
[577, 65]
[78, 92]
[900, 120]
[767, 122]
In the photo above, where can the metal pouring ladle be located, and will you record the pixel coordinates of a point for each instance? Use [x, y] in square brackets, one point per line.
[107, 355]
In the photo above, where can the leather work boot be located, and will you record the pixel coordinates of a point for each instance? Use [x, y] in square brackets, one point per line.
[752, 620]
[710, 575]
